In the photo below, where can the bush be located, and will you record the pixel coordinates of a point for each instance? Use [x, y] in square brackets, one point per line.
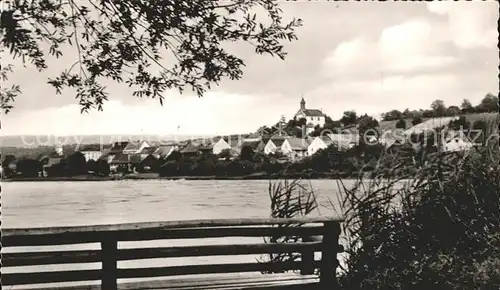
[435, 227]
[438, 232]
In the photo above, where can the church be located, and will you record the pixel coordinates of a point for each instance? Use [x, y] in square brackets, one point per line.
[314, 117]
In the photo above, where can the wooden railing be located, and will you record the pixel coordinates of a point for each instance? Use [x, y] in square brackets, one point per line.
[109, 235]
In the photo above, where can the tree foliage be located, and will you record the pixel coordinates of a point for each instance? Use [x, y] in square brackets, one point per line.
[27, 167]
[438, 107]
[401, 124]
[246, 153]
[77, 164]
[349, 118]
[367, 123]
[489, 103]
[453, 111]
[416, 121]
[130, 41]
[466, 106]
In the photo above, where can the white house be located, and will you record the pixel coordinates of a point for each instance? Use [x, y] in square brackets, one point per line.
[220, 146]
[273, 145]
[344, 141]
[392, 137]
[165, 150]
[320, 142]
[148, 151]
[92, 152]
[457, 144]
[135, 147]
[314, 117]
[295, 148]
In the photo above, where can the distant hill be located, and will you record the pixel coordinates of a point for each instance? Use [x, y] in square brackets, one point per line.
[31, 141]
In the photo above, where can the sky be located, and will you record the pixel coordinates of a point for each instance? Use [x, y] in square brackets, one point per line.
[370, 57]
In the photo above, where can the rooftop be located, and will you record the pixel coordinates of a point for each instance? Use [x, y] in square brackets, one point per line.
[148, 150]
[120, 159]
[298, 143]
[313, 113]
[344, 141]
[92, 147]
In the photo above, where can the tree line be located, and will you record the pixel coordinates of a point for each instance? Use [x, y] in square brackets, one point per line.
[69, 165]
[363, 123]
[438, 108]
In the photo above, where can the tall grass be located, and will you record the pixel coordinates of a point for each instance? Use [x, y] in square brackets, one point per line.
[434, 227]
[439, 231]
[289, 199]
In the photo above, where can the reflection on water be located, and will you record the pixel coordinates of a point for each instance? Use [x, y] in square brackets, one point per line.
[44, 204]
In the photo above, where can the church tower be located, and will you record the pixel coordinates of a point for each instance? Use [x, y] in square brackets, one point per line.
[302, 104]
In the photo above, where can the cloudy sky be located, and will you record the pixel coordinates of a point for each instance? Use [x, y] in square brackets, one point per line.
[370, 57]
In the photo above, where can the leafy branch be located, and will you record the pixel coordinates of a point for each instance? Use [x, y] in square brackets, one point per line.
[131, 41]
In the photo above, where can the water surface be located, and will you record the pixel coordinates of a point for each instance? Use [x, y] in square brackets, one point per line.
[47, 204]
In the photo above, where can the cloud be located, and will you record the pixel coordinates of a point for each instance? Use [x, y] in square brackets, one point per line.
[470, 24]
[410, 64]
[412, 46]
[216, 113]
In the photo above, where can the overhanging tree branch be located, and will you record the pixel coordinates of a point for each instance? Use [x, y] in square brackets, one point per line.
[127, 40]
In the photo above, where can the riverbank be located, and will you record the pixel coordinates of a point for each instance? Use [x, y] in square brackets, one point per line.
[153, 176]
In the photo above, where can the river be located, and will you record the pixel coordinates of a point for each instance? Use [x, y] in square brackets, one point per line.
[45, 204]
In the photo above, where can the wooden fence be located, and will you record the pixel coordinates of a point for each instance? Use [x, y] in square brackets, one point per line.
[109, 235]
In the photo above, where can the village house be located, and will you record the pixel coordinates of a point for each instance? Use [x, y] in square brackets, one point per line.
[163, 151]
[147, 151]
[295, 148]
[457, 144]
[116, 148]
[144, 162]
[391, 138]
[92, 152]
[314, 117]
[191, 149]
[135, 147]
[274, 145]
[261, 146]
[232, 143]
[344, 141]
[458, 141]
[220, 146]
[120, 163]
[318, 143]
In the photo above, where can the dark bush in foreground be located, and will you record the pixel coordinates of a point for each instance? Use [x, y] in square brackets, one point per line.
[441, 231]
[435, 227]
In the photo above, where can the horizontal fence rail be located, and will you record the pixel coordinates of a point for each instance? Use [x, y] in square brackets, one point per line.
[109, 235]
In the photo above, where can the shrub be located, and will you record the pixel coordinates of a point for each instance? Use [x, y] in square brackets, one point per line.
[439, 231]
[435, 227]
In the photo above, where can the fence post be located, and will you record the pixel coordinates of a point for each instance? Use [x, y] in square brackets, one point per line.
[329, 249]
[109, 249]
[307, 259]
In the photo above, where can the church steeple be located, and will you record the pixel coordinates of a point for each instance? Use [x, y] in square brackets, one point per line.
[302, 104]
